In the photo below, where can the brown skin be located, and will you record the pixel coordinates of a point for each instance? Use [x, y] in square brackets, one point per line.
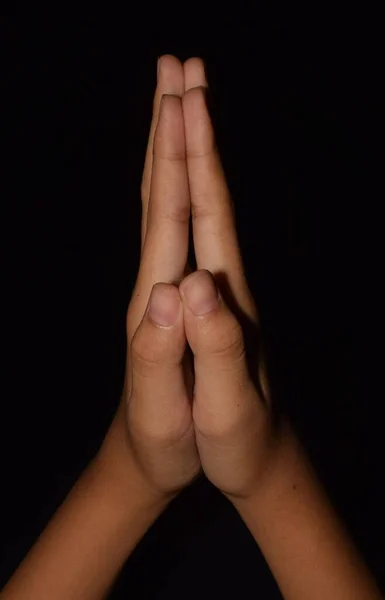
[176, 417]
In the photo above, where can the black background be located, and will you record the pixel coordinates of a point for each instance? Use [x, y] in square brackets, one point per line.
[298, 108]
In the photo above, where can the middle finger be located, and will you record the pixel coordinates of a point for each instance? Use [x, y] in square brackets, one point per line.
[215, 236]
[170, 80]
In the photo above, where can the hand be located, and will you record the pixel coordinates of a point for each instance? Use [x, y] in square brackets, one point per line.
[153, 428]
[234, 426]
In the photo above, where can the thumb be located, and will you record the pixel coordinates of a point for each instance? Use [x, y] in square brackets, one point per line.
[159, 406]
[225, 397]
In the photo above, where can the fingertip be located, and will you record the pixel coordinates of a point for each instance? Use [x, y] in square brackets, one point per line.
[199, 292]
[194, 73]
[169, 59]
[211, 328]
[164, 305]
[170, 74]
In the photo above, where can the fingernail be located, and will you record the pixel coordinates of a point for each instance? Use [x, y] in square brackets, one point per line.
[200, 293]
[164, 305]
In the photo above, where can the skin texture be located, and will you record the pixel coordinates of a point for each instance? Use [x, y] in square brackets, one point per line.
[178, 416]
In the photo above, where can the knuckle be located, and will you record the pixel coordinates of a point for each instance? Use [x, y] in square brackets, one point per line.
[163, 428]
[229, 344]
[202, 208]
[146, 355]
[194, 61]
[179, 214]
[216, 427]
[169, 156]
[201, 153]
[130, 325]
[207, 152]
[239, 415]
[162, 435]
[133, 317]
[149, 430]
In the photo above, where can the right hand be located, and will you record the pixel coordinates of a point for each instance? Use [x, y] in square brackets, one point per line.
[234, 425]
[152, 439]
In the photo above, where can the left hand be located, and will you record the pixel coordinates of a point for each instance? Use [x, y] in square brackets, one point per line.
[237, 434]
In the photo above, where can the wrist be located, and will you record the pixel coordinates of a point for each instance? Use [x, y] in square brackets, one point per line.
[118, 472]
[124, 487]
[281, 461]
[289, 492]
[298, 531]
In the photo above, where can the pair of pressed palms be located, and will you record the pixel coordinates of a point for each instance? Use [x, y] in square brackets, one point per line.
[191, 400]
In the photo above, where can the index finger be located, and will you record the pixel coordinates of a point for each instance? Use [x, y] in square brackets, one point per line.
[165, 247]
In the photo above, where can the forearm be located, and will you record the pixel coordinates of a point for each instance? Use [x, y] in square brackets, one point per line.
[86, 543]
[305, 545]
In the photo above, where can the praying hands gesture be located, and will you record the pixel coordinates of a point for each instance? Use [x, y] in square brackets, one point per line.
[196, 397]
